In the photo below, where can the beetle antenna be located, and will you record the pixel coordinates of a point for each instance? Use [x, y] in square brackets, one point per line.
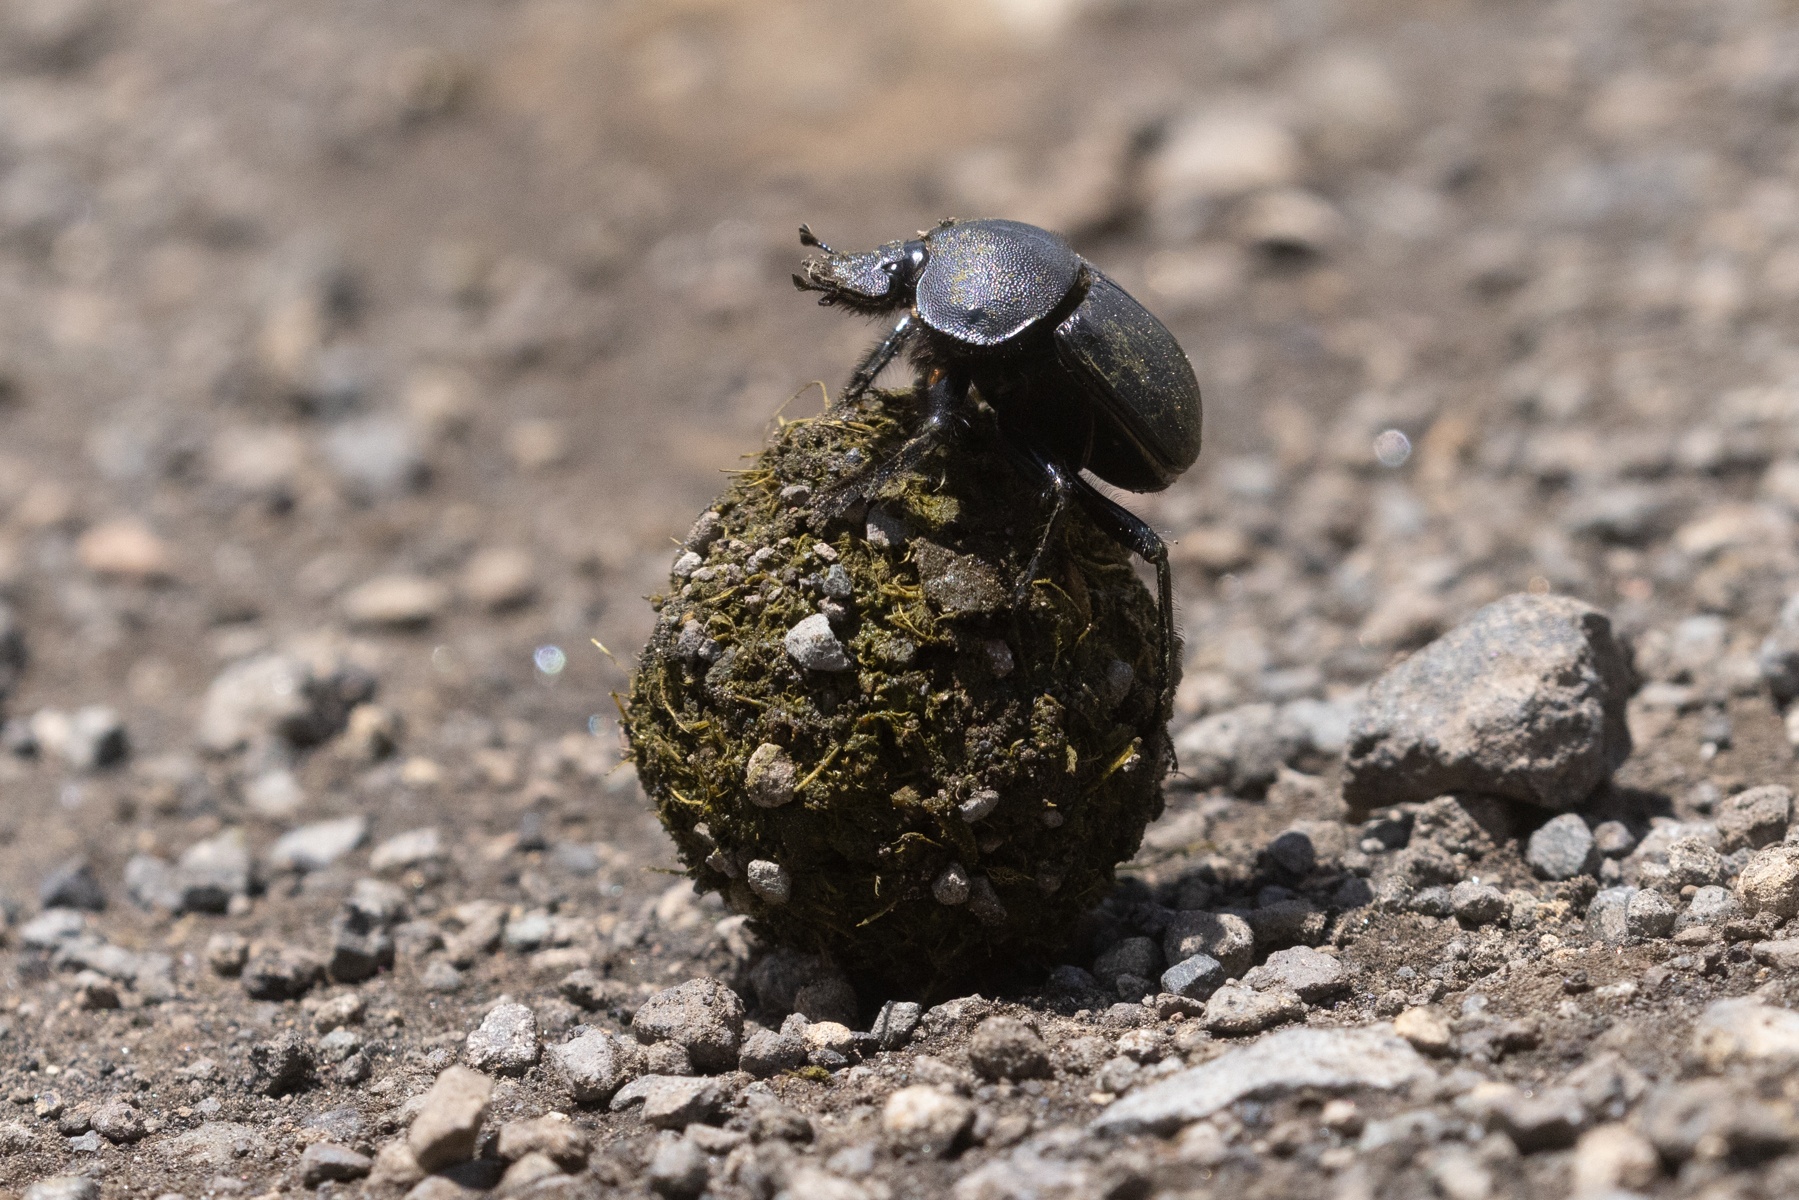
[808, 238]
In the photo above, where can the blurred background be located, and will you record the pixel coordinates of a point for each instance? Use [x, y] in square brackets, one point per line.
[404, 338]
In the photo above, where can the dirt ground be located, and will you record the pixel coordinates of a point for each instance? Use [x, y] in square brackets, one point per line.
[407, 340]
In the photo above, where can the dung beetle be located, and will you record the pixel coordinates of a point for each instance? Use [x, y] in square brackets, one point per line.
[1079, 375]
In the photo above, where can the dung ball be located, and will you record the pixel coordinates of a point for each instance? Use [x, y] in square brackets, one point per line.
[865, 728]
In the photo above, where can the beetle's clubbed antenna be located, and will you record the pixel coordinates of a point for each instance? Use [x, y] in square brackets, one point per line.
[808, 238]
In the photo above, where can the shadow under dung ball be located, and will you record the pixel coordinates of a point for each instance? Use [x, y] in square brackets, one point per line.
[857, 737]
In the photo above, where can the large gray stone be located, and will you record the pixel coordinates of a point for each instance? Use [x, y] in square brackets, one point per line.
[1370, 1056]
[1524, 700]
[702, 1016]
[1561, 848]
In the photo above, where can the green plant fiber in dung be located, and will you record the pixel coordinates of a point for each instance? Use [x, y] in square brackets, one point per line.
[954, 692]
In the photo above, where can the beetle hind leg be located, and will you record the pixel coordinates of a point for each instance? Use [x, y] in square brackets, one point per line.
[1058, 485]
[1130, 529]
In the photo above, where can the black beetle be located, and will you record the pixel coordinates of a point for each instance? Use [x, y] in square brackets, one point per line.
[1080, 375]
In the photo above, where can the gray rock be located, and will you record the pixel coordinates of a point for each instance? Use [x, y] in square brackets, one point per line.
[1686, 1119]
[814, 646]
[281, 973]
[895, 1023]
[319, 845]
[1613, 839]
[505, 1043]
[671, 1102]
[1312, 974]
[1779, 657]
[1561, 848]
[702, 1016]
[275, 697]
[1754, 818]
[769, 777]
[552, 1135]
[375, 457]
[72, 885]
[588, 989]
[1694, 862]
[64, 1187]
[1710, 906]
[767, 1053]
[281, 1065]
[1745, 1030]
[150, 882]
[1550, 1119]
[52, 928]
[926, 1120]
[414, 848]
[596, 1064]
[361, 939]
[1477, 904]
[327, 1162]
[210, 872]
[1769, 882]
[1524, 700]
[449, 1119]
[1222, 936]
[1242, 748]
[1239, 1011]
[959, 585]
[119, 1122]
[678, 1170]
[1606, 915]
[769, 880]
[1136, 956]
[1007, 1048]
[1195, 977]
[1649, 914]
[1323, 1059]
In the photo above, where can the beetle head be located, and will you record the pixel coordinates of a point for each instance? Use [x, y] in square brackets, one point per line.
[876, 282]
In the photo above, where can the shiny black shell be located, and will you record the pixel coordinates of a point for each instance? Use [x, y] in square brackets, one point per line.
[1141, 381]
[1119, 398]
[989, 281]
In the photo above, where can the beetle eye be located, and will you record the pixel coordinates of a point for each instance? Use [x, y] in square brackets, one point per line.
[890, 266]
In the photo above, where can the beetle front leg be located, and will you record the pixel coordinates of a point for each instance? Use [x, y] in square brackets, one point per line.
[876, 360]
[944, 396]
[1134, 532]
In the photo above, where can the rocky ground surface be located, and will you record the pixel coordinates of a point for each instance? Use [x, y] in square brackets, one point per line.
[359, 364]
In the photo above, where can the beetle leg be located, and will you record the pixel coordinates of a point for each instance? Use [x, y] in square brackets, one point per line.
[1134, 532]
[944, 395]
[876, 360]
[1059, 485]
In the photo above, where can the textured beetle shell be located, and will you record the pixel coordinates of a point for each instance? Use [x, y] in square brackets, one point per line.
[987, 281]
[1123, 356]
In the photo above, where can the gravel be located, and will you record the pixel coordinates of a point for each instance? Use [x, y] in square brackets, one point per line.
[1523, 700]
[72, 885]
[595, 1065]
[1325, 1059]
[1007, 1048]
[449, 1119]
[924, 1120]
[1562, 847]
[1225, 937]
[505, 1043]
[319, 845]
[702, 1016]
[813, 645]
